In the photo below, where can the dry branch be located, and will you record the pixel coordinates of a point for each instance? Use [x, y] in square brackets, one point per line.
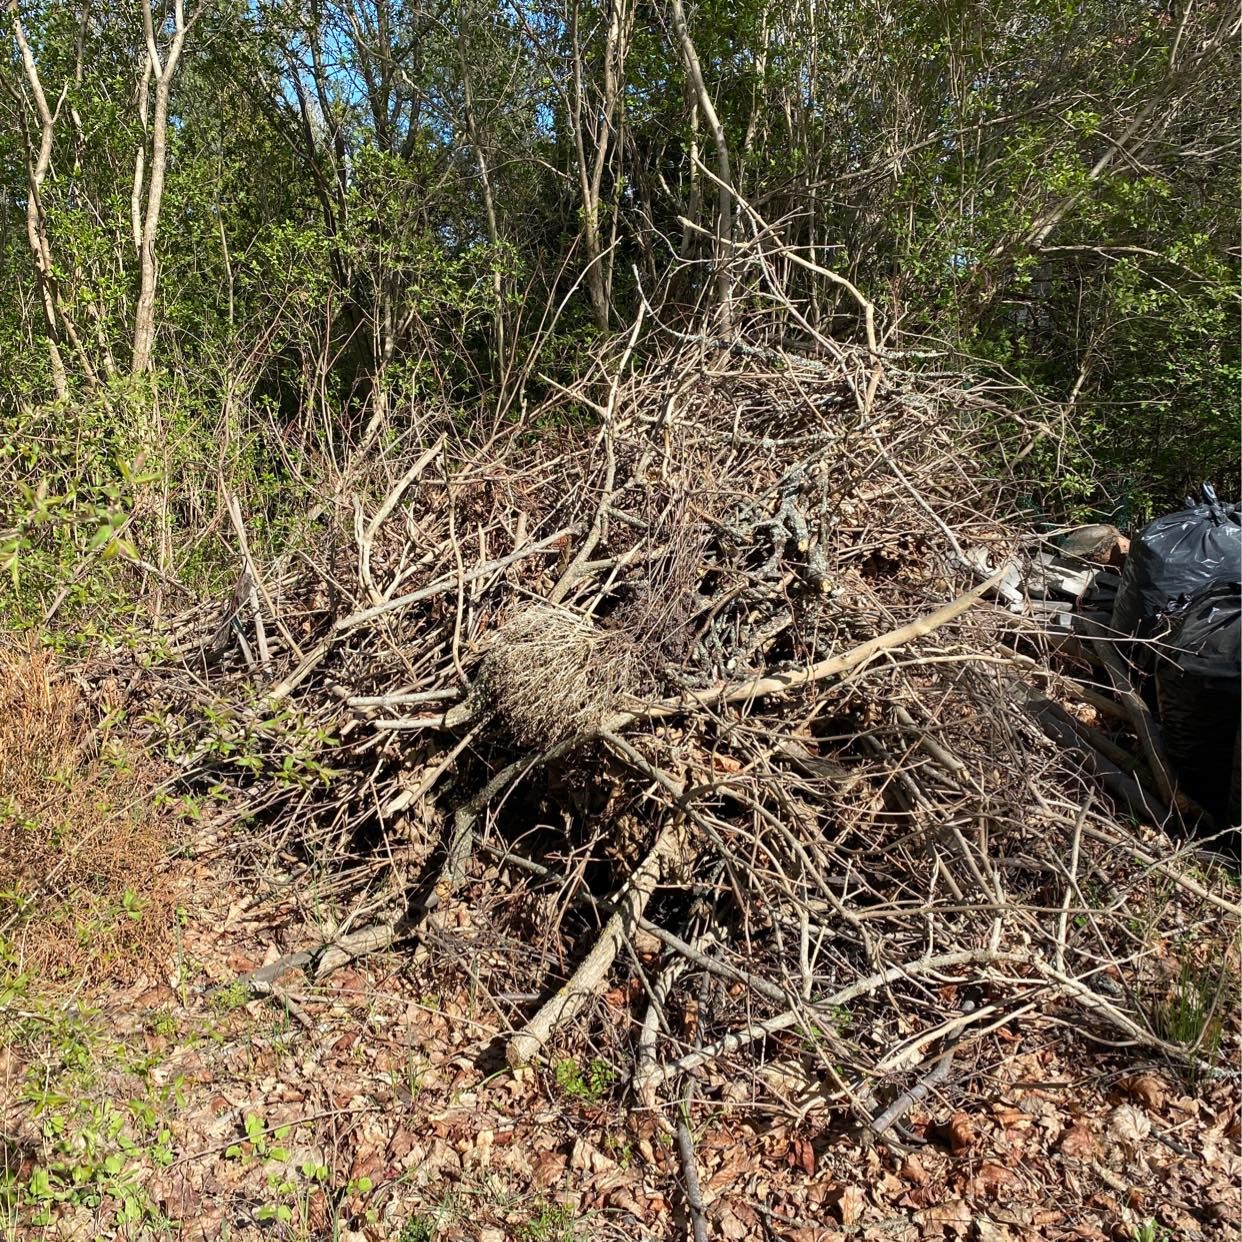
[527, 1044]
[540, 739]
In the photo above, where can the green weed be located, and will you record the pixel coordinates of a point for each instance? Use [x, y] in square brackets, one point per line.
[590, 1086]
[92, 1151]
[1190, 1010]
[554, 1223]
[421, 1228]
[231, 998]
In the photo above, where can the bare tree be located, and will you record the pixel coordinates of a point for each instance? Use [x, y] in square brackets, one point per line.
[146, 207]
[57, 320]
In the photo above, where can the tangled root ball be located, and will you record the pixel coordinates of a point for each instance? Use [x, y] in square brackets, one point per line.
[550, 674]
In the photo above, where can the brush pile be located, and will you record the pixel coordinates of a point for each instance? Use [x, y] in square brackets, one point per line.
[700, 733]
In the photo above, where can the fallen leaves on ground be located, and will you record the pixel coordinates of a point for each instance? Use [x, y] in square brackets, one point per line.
[390, 1111]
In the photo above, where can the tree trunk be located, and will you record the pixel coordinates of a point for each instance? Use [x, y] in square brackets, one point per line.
[590, 202]
[162, 72]
[56, 321]
[489, 201]
[724, 173]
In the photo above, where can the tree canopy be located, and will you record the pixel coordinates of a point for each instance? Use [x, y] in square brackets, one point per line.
[230, 226]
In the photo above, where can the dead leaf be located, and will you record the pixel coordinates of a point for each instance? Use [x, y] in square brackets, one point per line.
[1011, 1118]
[1106, 1203]
[549, 1166]
[690, 1019]
[849, 1202]
[991, 1177]
[400, 1145]
[1147, 1089]
[1128, 1125]
[954, 1216]
[989, 1231]
[961, 1133]
[801, 1155]
[1092, 1233]
[1045, 1112]
[1079, 1143]
[318, 1212]
[888, 1187]
[367, 1163]
[732, 1168]
[179, 1197]
[912, 1170]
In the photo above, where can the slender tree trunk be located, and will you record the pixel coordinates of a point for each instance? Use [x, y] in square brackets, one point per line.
[489, 201]
[162, 72]
[605, 121]
[724, 172]
[620, 23]
[694, 201]
[590, 201]
[38, 161]
[142, 102]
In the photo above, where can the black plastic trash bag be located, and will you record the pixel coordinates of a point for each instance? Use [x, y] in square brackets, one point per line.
[1199, 690]
[1174, 558]
[1235, 789]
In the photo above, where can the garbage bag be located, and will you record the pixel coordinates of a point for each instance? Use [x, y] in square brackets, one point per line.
[1235, 789]
[1175, 557]
[1199, 692]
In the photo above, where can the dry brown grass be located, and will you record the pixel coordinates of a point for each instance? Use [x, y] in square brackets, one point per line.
[549, 674]
[83, 889]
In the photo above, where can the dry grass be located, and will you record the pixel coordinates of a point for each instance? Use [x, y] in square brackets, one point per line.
[549, 674]
[83, 890]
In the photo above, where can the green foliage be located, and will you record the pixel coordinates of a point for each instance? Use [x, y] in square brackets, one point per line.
[589, 1085]
[280, 744]
[92, 1149]
[422, 1228]
[233, 997]
[257, 1145]
[344, 244]
[75, 475]
[554, 1222]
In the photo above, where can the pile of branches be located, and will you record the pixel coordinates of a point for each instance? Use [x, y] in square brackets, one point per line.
[680, 716]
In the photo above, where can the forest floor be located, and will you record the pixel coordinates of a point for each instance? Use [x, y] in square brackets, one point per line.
[378, 1106]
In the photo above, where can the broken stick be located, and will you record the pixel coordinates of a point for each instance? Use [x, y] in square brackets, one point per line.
[525, 1046]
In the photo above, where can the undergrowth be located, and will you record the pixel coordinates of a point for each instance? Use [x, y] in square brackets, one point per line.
[83, 831]
[88, 1113]
[1199, 992]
